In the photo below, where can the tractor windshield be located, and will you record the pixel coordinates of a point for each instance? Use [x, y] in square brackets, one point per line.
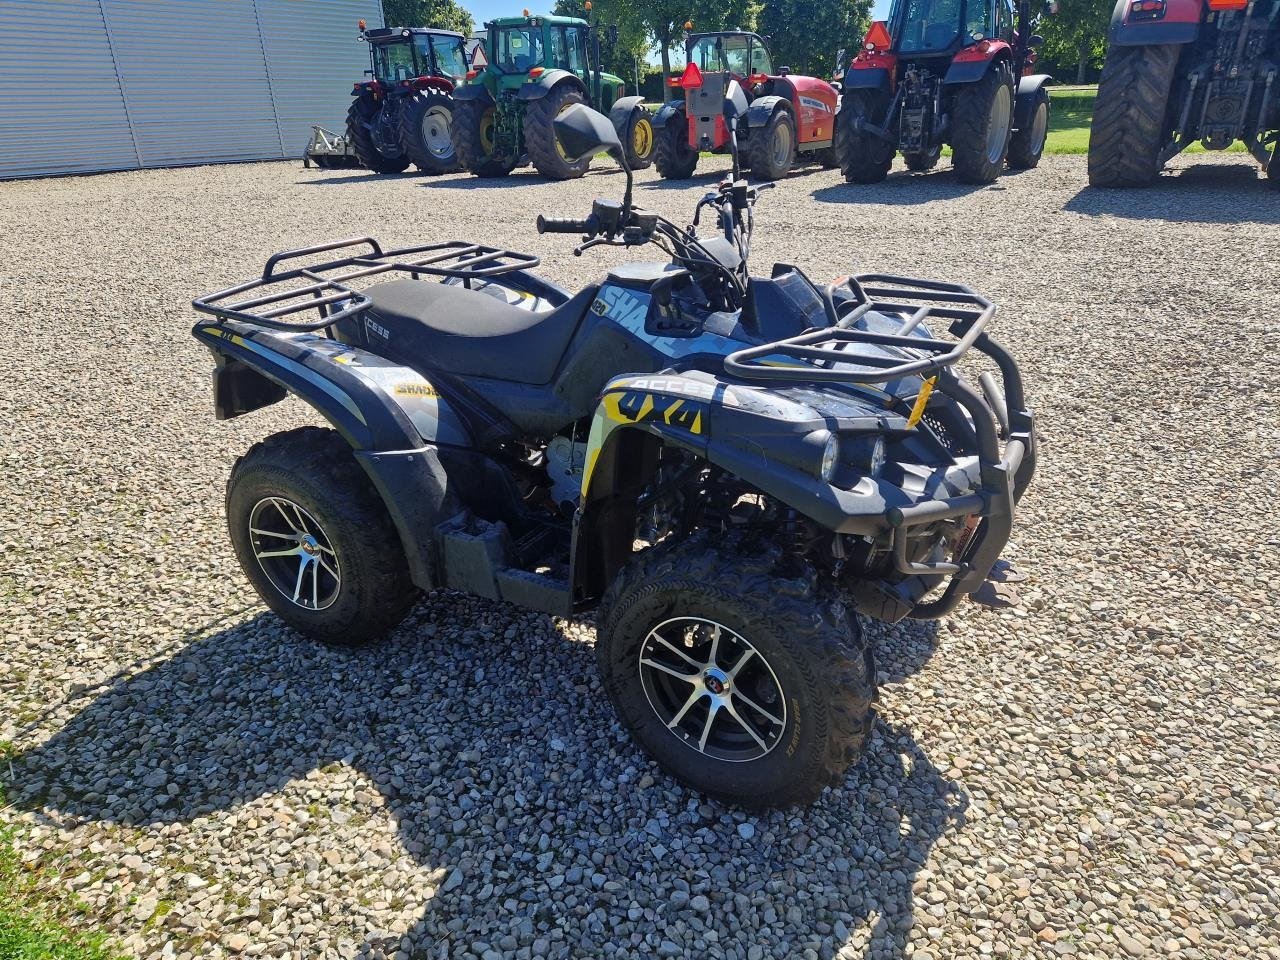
[935, 25]
[393, 62]
[451, 59]
[740, 55]
[517, 49]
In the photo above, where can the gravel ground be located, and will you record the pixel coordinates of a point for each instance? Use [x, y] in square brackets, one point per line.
[1092, 774]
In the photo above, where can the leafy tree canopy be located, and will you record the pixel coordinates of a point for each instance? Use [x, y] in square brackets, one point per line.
[445, 14]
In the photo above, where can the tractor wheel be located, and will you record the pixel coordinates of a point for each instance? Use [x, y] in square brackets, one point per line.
[864, 157]
[772, 148]
[472, 134]
[672, 155]
[922, 162]
[737, 670]
[375, 153]
[1027, 145]
[545, 152]
[638, 138]
[425, 119]
[315, 539]
[1128, 116]
[982, 119]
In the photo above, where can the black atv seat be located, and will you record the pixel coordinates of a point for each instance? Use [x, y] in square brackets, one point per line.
[469, 333]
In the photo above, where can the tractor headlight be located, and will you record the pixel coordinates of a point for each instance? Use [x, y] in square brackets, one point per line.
[830, 458]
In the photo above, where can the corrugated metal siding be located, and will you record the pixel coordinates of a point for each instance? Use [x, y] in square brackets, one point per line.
[313, 58]
[60, 105]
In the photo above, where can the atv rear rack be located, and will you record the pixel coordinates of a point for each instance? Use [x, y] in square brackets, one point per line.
[326, 287]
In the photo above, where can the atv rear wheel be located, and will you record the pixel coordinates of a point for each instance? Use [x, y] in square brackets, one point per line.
[924, 161]
[315, 539]
[1128, 128]
[735, 671]
[545, 152]
[639, 138]
[377, 153]
[772, 148]
[473, 139]
[425, 119]
[864, 157]
[1027, 145]
[983, 119]
[672, 155]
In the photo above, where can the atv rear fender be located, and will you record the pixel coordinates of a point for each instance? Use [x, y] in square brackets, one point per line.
[1028, 87]
[972, 63]
[538, 88]
[1178, 22]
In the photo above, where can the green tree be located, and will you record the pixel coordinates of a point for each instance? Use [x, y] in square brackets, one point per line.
[445, 14]
[1076, 36]
[632, 44]
[805, 34]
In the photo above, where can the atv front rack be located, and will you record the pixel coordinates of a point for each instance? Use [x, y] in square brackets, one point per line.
[326, 287]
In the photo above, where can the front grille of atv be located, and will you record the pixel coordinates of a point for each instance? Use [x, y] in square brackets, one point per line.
[942, 433]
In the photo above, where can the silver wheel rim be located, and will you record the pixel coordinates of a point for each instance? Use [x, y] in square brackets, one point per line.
[435, 132]
[712, 689]
[294, 553]
[781, 145]
[1039, 128]
[998, 132]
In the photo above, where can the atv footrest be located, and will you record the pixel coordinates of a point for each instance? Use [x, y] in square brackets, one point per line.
[475, 556]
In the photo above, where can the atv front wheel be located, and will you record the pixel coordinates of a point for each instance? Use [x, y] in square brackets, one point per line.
[672, 155]
[772, 148]
[736, 672]
[545, 152]
[315, 539]
[474, 139]
[983, 118]
[864, 157]
[425, 119]
[376, 152]
[1128, 127]
[1027, 145]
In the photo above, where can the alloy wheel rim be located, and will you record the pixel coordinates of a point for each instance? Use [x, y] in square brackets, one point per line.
[435, 132]
[294, 553]
[712, 689]
[998, 132]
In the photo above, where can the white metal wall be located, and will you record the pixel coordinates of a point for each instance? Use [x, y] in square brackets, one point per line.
[88, 85]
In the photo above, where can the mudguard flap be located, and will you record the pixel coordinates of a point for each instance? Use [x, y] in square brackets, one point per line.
[539, 88]
[762, 109]
[970, 64]
[1180, 24]
[472, 91]
[669, 110]
[1028, 87]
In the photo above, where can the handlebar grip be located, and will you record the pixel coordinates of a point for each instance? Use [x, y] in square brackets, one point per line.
[562, 225]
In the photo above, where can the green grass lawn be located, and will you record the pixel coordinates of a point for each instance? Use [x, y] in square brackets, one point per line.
[1071, 112]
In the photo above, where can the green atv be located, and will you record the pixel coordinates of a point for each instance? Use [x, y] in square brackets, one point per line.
[535, 68]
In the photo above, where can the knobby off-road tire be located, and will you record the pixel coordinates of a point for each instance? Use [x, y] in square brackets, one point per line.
[982, 119]
[863, 158]
[639, 139]
[540, 134]
[1128, 117]
[922, 162]
[672, 155]
[772, 148]
[312, 468]
[1027, 146]
[359, 115]
[425, 135]
[474, 148]
[812, 647]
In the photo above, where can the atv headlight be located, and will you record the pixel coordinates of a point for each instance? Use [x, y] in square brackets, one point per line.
[830, 458]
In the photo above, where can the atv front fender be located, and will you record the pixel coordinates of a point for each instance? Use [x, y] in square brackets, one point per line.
[668, 112]
[972, 63]
[1180, 24]
[539, 88]
[762, 108]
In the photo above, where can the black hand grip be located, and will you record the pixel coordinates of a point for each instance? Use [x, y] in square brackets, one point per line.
[562, 225]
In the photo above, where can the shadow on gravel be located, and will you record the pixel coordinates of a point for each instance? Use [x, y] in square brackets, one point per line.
[1202, 193]
[498, 757]
[518, 178]
[361, 176]
[903, 188]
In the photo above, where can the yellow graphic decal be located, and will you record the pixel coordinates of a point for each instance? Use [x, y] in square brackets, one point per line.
[416, 390]
[922, 399]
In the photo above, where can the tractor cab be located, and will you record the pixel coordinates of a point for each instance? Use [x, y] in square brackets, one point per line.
[399, 55]
[923, 28]
[741, 54]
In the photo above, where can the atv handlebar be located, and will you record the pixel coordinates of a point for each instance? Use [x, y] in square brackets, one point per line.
[565, 225]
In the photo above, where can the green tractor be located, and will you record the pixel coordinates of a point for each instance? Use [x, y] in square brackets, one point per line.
[531, 69]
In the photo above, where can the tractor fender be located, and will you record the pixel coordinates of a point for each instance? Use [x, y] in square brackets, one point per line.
[620, 113]
[970, 64]
[668, 111]
[1180, 24]
[1028, 87]
[866, 78]
[762, 108]
[472, 91]
[538, 88]
[392, 417]
[437, 84]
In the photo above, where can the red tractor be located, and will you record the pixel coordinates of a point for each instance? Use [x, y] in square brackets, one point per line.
[787, 114]
[957, 72]
[1181, 71]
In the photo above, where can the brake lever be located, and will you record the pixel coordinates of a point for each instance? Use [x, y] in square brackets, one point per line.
[593, 242]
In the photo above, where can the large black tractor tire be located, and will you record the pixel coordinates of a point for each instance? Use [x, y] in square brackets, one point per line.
[425, 121]
[472, 136]
[315, 539]
[360, 115]
[772, 148]
[924, 161]
[864, 158]
[805, 680]
[672, 155]
[1128, 116]
[540, 140]
[1027, 146]
[982, 120]
[639, 138]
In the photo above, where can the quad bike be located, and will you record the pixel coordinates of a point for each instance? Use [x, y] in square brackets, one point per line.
[945, 72]
[727, 468]
[403, 114]
[530, 69]
[789, 116]
[1182, 71]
